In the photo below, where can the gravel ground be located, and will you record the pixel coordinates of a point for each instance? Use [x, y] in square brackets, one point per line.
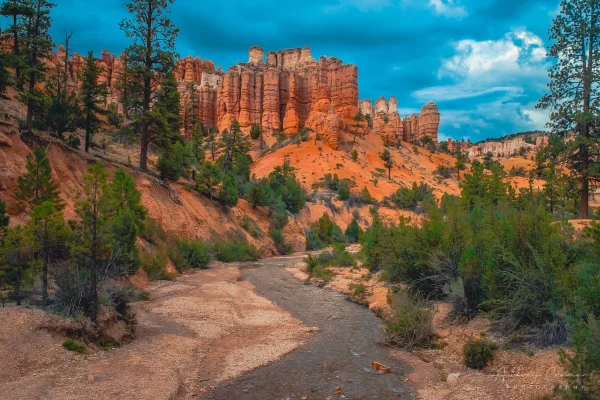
[336, 361]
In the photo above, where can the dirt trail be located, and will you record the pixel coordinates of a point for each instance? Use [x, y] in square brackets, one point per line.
[337, 356]
[202, 329]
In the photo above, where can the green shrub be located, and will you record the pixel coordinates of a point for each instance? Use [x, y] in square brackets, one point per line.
[251, 226]
[197, 254]
[279, 240]
[478, 353]
[234, 250]
[313, 242]
[353, 231]
[344, 190]
[358, 291]
[341, 257]
[73, 345]
[154, 264]
[410, 324]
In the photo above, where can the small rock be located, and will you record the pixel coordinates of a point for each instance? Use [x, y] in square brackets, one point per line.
[313, 329]
[382, 369]
[453, 377]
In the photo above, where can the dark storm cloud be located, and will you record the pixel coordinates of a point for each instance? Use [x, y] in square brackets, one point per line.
[402, 47]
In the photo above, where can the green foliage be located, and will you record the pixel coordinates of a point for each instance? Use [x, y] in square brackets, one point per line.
[36, 185]
[207, 178]
[93, 96]
[196, 254]
[410, 324]
[228, 194]
[386, 157]
[365, 196]
[358, 291]
[3, 219]
[409, 199]
[255, 131]
[354, 155]
[171, 162]
[251, 227]
[353, 231]
[16, 259]
[74, 346]
[324, 232]
[234, 250]
[279, 240]
[154, 264]
[341, 257]
[478, 353]
[344, 190]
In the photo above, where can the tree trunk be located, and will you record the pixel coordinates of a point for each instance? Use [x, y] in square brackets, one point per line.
[16, 53]
[585, 183]
[144, 152]
[94, 272]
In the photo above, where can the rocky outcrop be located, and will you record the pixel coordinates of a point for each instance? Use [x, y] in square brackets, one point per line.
[392, 128]
[510, 146]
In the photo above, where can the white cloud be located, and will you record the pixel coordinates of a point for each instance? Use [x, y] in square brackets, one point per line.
[448, 8]
[508, 75]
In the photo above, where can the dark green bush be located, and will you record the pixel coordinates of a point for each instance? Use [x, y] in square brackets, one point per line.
[279, 240]
[196, 254]
[478, 353]
[410, 324]
[234, 250]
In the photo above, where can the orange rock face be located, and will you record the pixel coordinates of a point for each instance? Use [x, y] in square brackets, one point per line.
[285, 91]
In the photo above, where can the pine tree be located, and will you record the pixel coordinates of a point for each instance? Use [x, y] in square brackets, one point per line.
[386, 156]
[228, 194]
[152, 52]
[353, 231]
[212, 143]
[164, 118]
[48, 234]
[460, 164]
[5, 79]
[36, 185]
[3, 219]
[207, 178]
[171, 162]
[37, 47]
[255, 131]
[17, 253]
[190, 113]
[63, 113]
[358, 118]
[573, 87]
[92, 234]
[17, 10]
[93, 95]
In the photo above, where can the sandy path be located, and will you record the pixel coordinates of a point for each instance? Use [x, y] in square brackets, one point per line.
[194, 332]
[339, 355]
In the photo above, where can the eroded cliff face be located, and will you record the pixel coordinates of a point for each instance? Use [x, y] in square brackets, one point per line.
[388, 123]
[283, 91]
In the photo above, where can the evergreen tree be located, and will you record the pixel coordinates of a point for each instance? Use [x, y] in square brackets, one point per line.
[5, 80]
[255, 131]
[353, 231]
[573, 88]
[164, 118]
[37, 47]
[92, 240]
[257, 194]
[386, 156]
[212, 143]
[3, 219]
[17, 254]
[207, 178]
[197, 143]
[228, 194]
[190, 113]
[36, 185]
[17, 10]
[171, 162]
[48, 236]
[93, 95]
[152, 52]
[460, 165]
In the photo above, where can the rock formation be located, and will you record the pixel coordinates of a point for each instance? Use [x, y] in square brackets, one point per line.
[284, 91]
[392, 128]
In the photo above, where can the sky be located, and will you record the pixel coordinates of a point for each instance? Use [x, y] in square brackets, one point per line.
[482, 61]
